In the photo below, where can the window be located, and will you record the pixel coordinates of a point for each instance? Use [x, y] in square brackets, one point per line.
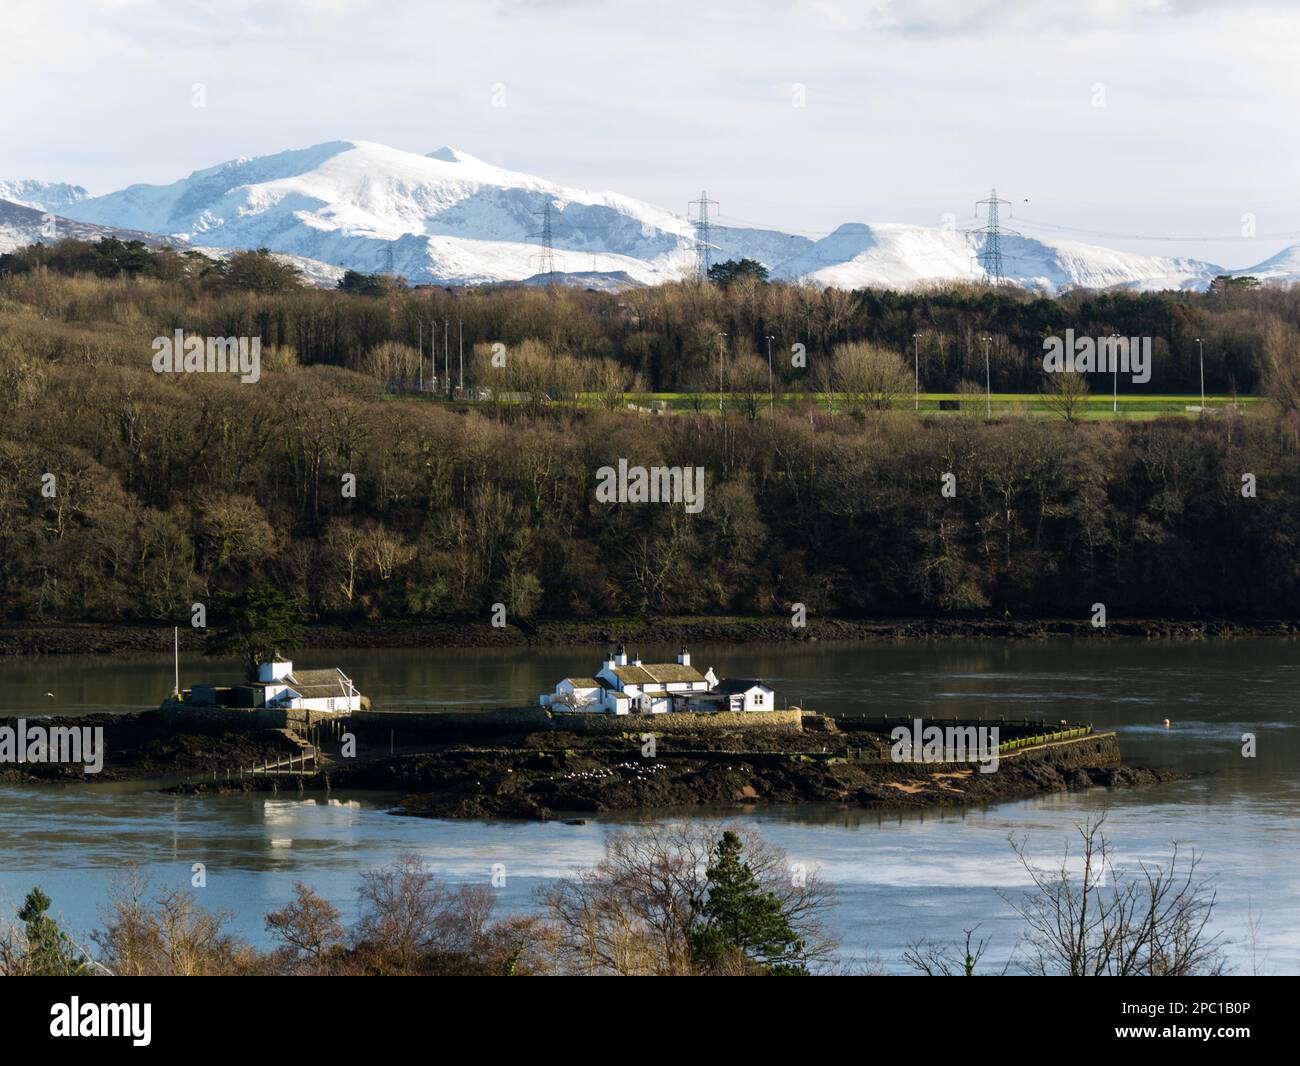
[758, 699]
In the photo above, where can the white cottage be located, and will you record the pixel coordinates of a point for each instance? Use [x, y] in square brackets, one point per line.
[743, 694]
[622, 687]
[328, 691]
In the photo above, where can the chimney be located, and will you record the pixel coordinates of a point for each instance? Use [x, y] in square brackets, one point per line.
[636, 661]
[621, 658]
[609, 660]
[683, 656]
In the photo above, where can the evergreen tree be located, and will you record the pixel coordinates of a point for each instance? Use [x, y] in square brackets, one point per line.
[742, 920]
[733, 270]
[368, 284]
[255, 624]
[49, 951]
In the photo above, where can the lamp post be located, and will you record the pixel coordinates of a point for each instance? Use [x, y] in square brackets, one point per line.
[1201, 348]
[771, 399]
[1114, 358]
[988, 381]
[433, 355]
[721, 338]
[916, 370]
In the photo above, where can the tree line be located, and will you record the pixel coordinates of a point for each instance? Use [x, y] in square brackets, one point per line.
[662, 339]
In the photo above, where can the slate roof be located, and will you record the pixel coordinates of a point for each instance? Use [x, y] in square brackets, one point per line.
[583, 682]
[314, 678]
[650, 673]
[733, 685]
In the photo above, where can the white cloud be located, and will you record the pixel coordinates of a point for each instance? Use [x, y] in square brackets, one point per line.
[912, 109]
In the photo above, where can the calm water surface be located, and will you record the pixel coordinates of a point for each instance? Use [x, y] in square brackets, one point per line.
[898, 876]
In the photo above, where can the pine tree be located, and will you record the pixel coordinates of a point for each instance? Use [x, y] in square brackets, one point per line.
[49, 951]
[255, 624]
[742, 920]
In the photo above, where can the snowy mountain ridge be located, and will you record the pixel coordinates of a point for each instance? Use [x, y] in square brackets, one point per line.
[450, 218]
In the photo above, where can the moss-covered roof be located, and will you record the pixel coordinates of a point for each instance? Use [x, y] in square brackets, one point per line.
[661, 673]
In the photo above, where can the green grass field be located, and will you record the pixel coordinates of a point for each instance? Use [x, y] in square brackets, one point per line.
[1095, 407]
[1001, 404]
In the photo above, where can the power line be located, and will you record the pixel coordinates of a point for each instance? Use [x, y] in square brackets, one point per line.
[1150, 237]
[703, 247]
[546, 257]
[990, 256]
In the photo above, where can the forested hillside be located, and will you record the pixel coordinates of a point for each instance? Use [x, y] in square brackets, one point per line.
[174, 488]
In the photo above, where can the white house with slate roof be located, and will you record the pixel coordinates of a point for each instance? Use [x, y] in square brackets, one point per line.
[329, 691]
[622, 687]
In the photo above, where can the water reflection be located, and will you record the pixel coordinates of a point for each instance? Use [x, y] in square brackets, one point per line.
[899, 875]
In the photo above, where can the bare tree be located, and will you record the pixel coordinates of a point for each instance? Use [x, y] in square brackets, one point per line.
[308, 924]
[1281, 369]
[400, 911]
[1106, 921]
[869, 378]
[170, 935]
[633, 913]
[947, 960]
[1065, 394]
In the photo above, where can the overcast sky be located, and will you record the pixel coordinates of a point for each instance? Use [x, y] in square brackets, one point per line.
[1154, 118]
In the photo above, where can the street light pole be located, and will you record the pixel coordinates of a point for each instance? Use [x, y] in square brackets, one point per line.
[721, 338]
[988, 381]
[1114, 358]
[916, 370]
[771, 399]
[1201, 347]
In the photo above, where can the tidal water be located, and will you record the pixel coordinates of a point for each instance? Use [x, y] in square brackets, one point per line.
[898, 876]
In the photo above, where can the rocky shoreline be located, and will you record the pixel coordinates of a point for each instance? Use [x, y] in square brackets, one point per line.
[103, 639]
[557, 775]
[467, 772]
[147, 745]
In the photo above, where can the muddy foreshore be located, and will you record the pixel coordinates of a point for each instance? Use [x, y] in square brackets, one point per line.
[549, 775]
[102, 639]
[147, 745]
[541, 775]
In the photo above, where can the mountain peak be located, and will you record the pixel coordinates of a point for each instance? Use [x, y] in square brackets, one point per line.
[44, 195]
[448, 217]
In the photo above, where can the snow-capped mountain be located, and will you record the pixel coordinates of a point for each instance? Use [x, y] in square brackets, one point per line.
[857, 255]
[445, 217]
[1281, 268]
[449, 218]
[21, 225]
[43, 195]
